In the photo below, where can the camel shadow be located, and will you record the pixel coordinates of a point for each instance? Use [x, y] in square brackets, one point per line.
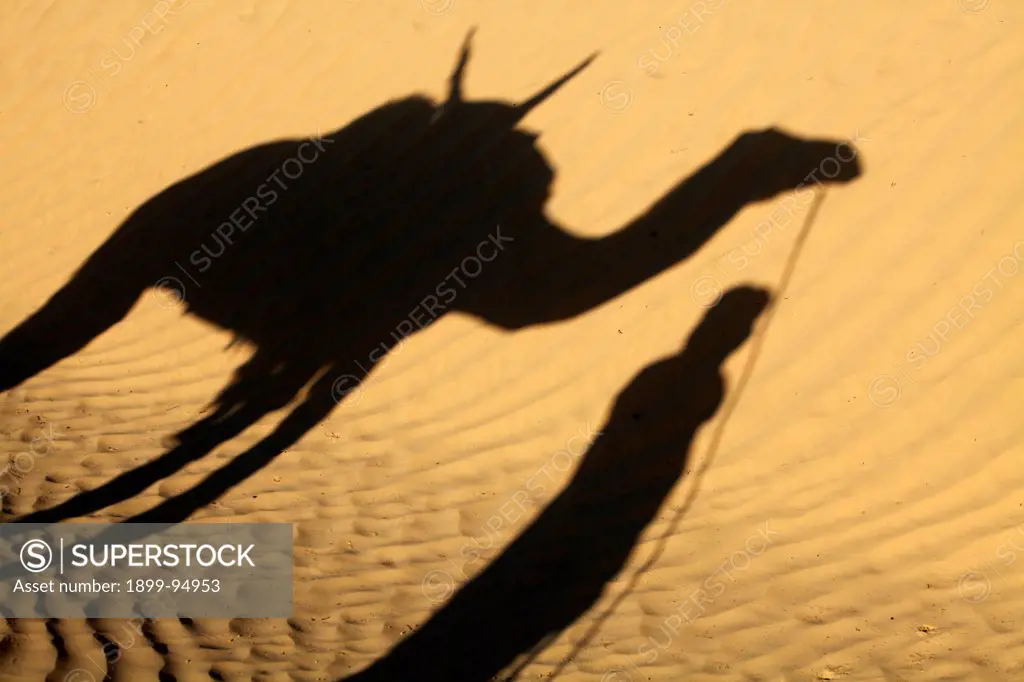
[556, 570]
[325, 254]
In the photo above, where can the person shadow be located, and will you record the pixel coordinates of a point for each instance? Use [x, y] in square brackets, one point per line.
[325, 254]
[556, 570]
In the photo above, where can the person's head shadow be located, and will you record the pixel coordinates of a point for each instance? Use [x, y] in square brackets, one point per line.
[324, 254]
[557, 568]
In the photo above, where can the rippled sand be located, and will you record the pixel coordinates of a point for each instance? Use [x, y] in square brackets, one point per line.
[862, 519]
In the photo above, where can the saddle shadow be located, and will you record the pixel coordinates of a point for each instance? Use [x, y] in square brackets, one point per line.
[556, 570]
[325, 254]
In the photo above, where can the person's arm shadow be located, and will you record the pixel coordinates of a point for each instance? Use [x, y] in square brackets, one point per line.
[557, 569]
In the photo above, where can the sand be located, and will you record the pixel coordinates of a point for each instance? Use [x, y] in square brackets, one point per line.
[861, 519]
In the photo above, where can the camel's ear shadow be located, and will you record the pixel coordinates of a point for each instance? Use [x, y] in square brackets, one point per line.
[537, 99]
[455, 90]
[455, 80]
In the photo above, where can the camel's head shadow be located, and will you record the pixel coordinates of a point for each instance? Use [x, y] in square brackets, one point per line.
[781, 162]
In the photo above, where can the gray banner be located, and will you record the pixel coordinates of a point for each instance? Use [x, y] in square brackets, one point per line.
[146, 570]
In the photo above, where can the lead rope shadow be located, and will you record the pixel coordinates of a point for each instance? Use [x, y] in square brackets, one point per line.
[698, 474]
